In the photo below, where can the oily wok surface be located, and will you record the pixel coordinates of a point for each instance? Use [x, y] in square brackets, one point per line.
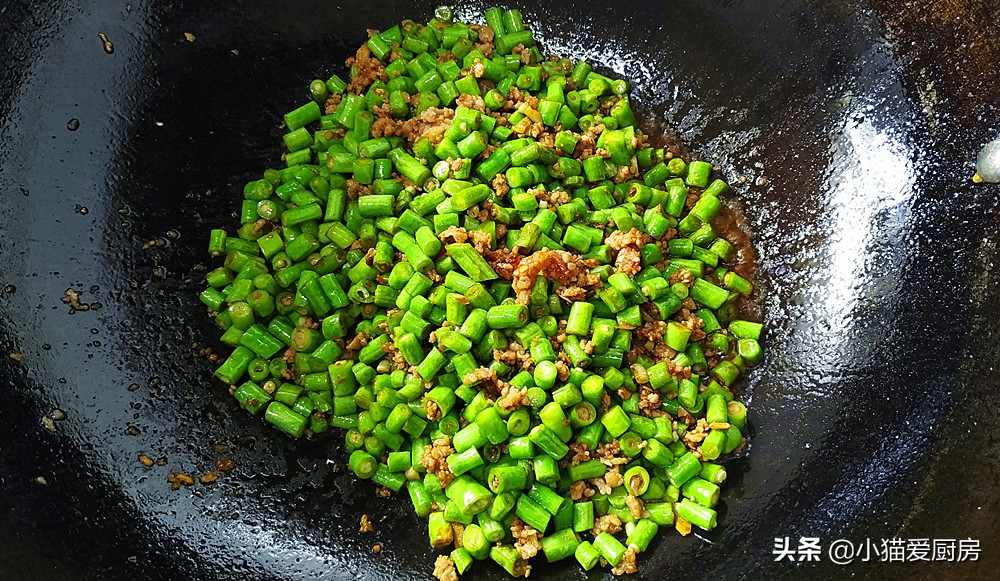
[849, 148]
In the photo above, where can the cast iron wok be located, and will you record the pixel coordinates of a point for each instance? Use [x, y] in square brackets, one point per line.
[851, 125]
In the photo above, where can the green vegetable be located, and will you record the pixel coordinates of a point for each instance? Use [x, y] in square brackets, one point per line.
[483, 299]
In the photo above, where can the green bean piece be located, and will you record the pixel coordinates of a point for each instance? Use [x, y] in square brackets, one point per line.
[509, 283]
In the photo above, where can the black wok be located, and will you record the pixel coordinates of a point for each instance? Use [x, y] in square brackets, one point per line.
[852, 125]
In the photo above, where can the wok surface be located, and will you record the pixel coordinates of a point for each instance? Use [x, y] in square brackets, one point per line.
[874, 413]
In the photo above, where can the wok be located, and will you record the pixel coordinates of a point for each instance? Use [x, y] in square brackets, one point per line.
[849, 126]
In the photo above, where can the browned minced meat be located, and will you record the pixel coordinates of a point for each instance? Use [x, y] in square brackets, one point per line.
[691, 200]
[488, 378]
[508, 356]
[557, 265]
[485, 33]
[649, 402]
[550, 198]
[458, 534]
[580, 453]
[651, 331]
[695, 435]
[608, 523]
[613, 477]
[685, 416]
[610, 454]
[514, 354]
[485, 44]
[532, 129]
[650, 339]
[366, 69]
[626, 172]
[584, 147]
[580, 491]
[629, 261]
[679, 371]
[366, 524]
[627, 564]
[431, 122]
[435, 457]
[472, 102]
[572, 293]
[635, 506]
[682, 276]
[444, 569]
[481, 240]
[500, 186]
[562, 369]
[547, 139]
[383, 126]
[503, 262]
[605, 400]
[477, 70]
[527, 539]
[618, 239]
[432, 409]
[332, 102]
[513, 398]
[482, 212]
[627, 244]
[517, 97]
[454, 234]
[398, 361]
[355, 189]
[600, 485]
[693, 322]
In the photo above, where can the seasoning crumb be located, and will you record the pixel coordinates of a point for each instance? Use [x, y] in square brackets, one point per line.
[224, 464]
[16, 356]
[444, 569]
[57, 415]
[48, 424]
[72, 298]
[377, 548]
[189, 37]
[682, 526]
[109, 46]
[161, 461]
[208, 477]
[41, 480]
[178, 479]
[146, 460]
[366, 525]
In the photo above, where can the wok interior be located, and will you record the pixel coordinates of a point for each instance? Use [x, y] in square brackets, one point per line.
[804, 109]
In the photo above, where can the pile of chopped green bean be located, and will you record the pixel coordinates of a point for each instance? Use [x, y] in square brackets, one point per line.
[515, 306]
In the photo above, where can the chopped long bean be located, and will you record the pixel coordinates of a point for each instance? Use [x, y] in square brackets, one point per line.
[477, 265]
